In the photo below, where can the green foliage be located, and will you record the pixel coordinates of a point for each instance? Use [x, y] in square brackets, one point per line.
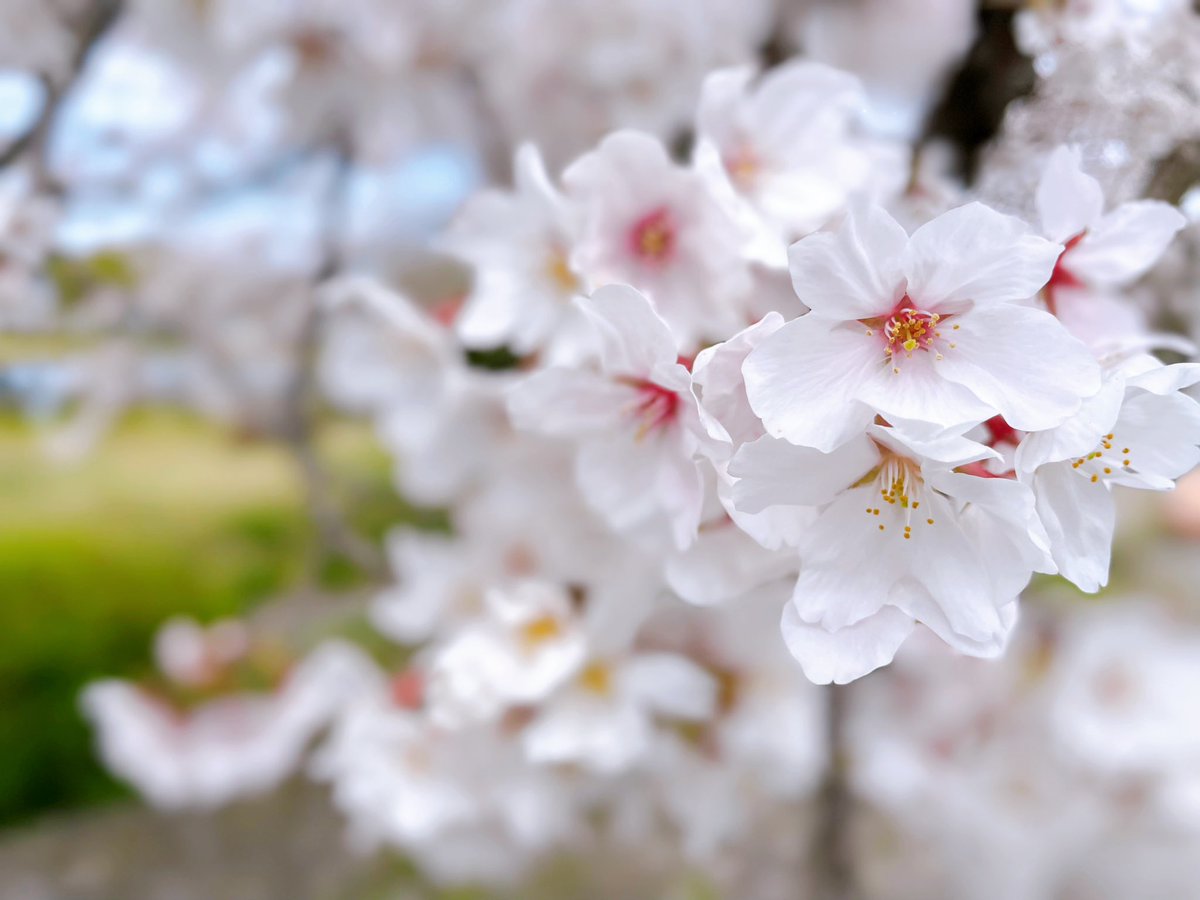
[168, 517]
[496, 360]
[76, 277]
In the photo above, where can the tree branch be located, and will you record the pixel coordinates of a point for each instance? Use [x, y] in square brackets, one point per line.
[334, 533]
[101, 17]
[833, 848]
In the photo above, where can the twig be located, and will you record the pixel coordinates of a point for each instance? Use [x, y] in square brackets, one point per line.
[300, 401]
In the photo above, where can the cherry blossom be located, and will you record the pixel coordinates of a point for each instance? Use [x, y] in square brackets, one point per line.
[1139, 431]
[520, 245]
[652, 224]
[784, 149]
[927, 328]
[1102, 252]
[640, 426]
[949, 549]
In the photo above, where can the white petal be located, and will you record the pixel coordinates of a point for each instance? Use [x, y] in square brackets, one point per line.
[1161, 433]
[634, 483]
[669, 685]
[959, 595]
[1125, 243]
[835, 588]
[717, 373]
[1166, 379]
[990, 645]
[531, 178]
[1078, 435]
[633, 338]
[602, 736]
[846, 654]
[925, 440]
[975, 254]
[773, 528]
[720, 95]
[919, 392]
[853, 273]
[1023, 363]
[1000, 516]
[563, 401]
[804, 381]
[1079, 517]
[724, 562]
[773, 472]
[800, 97]
[1068, 200]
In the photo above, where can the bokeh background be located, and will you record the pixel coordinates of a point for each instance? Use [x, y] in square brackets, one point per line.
[177, 175]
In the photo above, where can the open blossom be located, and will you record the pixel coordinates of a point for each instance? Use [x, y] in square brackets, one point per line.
[1139, 431]
[564, 663]
[528, 642]
[948, 549]
[783, 150]
[926, 328]
[520, 245]
[1102, 251]
[604, 719]
[640, 429]
[653, 224]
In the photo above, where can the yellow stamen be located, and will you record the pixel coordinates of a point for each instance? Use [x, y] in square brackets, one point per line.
[597, 678]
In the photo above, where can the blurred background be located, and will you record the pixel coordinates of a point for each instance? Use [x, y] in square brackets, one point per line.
[178, 178]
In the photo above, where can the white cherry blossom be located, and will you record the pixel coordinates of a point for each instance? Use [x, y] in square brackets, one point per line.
[1140, 431]
[946, 548]
[520, 245]
[782, 150]
[926, 328]
[1103, 251]
[653, 224]
[640, 428]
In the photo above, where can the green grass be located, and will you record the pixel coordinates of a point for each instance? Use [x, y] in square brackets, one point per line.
[168, 516]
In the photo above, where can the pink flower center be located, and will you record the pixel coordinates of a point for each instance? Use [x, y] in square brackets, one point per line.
[652, 238]
[656, 407]
[408, 689]
[909, 329]
[743, 166]
[999, 431]
[445, 312]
